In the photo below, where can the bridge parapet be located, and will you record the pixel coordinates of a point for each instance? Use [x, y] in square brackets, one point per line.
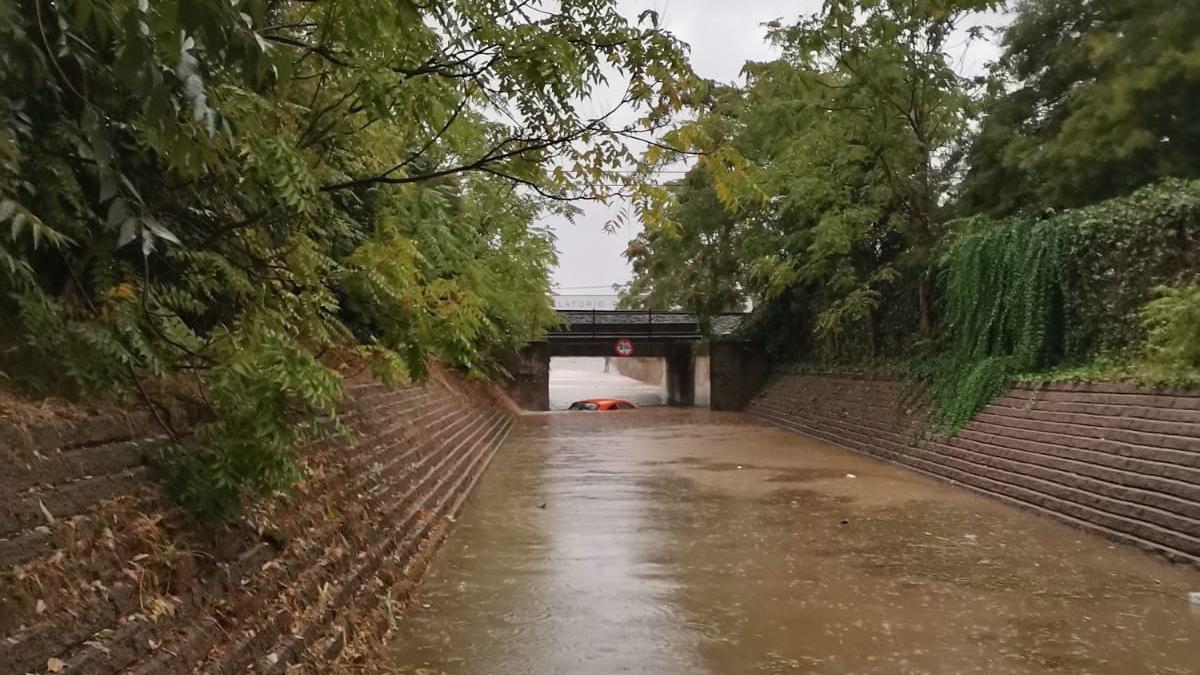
[642, 324]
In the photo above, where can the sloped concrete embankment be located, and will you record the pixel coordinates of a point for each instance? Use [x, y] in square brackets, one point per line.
[648, 370]
[1111, 458]
[100, 575]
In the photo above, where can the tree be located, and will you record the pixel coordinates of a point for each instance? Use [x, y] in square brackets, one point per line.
[1090, 100]
[699, 267]
[245, 199]
[840, 158]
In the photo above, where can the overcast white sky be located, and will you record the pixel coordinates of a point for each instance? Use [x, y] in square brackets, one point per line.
[723, 35]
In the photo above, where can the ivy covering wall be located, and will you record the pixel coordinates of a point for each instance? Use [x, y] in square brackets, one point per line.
[1108, 283]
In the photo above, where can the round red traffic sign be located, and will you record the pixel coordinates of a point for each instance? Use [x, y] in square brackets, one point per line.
[624, 347]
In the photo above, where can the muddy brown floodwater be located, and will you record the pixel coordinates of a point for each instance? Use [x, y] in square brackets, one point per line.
[683, 541]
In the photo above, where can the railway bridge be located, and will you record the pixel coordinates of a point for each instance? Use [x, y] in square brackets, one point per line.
[736, 366]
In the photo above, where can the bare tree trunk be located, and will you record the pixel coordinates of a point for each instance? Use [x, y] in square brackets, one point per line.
[872, 340]
[924, 307]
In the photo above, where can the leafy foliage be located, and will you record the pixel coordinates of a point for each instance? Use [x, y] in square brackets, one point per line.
[831, 165]
[1026, 295]
[1003, 297]
[884, 207]
[1090, 99]
[696, 267]
[248, 200]
[1172, 322]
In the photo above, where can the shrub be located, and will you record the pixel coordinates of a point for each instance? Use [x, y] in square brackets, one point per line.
[1172, 323]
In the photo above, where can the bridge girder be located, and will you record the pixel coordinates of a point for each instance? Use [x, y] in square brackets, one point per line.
[651, 348]
[652, 325]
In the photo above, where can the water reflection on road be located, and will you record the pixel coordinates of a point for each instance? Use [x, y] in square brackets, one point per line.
[684, 541]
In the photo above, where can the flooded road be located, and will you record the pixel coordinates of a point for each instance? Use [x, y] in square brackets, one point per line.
[683, 541]
[573, 378]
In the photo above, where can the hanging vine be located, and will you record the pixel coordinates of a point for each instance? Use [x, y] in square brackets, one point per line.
[1023, 296]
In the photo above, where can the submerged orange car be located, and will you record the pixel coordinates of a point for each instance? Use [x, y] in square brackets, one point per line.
[602, 404]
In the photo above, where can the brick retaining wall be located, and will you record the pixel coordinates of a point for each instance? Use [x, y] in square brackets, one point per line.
[99, 574]
[1111, 458]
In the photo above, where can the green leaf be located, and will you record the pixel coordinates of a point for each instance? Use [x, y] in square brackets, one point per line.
[129, 232]
[157, 228]
[118, 213]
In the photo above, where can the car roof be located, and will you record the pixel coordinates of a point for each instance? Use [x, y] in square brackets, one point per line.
[603, 400]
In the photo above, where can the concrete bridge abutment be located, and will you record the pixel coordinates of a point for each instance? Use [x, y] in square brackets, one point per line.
[737, 370]
[681, 374]
[530, 386]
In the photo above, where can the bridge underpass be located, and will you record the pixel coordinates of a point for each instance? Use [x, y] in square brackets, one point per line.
[639, 381]
[736, 367]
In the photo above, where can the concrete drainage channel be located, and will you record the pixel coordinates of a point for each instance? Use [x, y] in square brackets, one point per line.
[664, 540]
